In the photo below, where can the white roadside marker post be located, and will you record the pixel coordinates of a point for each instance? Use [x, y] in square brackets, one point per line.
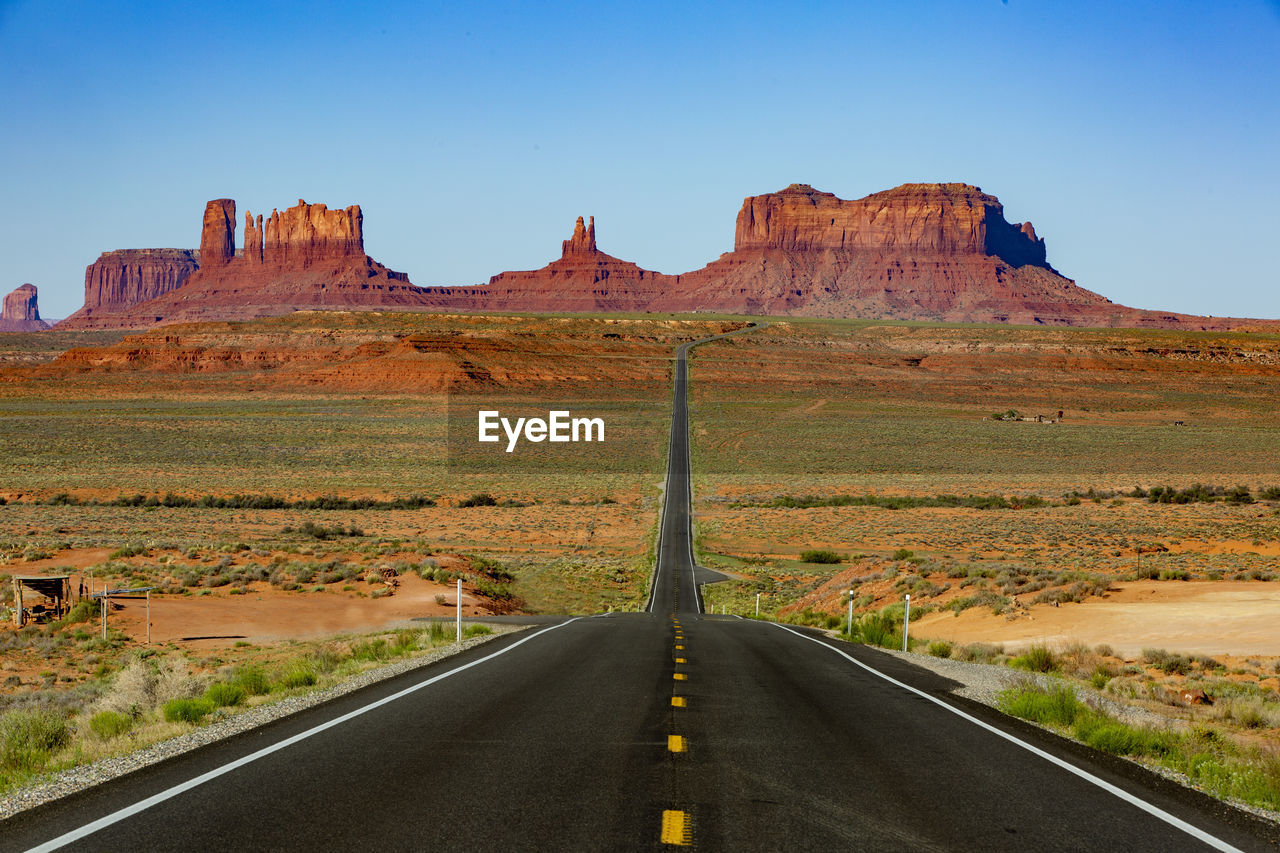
[148, 617]
[849, 628]
[757, 605]
[459, 610]
[906, 622]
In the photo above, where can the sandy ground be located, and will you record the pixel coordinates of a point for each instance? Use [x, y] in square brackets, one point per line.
[266, 615]
[72, 558]
[1209, 617]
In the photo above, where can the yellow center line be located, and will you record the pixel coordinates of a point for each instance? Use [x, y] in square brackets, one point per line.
[678, 702]
[676, 743]
[681, 660]
[679, 676]
[679, 648]
[677, 828]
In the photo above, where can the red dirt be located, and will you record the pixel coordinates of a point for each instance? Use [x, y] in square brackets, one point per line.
[265, 615]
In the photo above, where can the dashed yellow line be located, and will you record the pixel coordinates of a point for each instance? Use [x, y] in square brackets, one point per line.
[676, 743]
[678, 702]
[679, 648]
[679, 676]
[677, 828]
[681, 660]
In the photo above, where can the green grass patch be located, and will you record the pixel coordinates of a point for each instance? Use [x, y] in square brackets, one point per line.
[110, 724]
[187, 710]
[940, 649]
[296, 673]
[28, 737]
[225, 693]
[1038, 658]
[1058, 707]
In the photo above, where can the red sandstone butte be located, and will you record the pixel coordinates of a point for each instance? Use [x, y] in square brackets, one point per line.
[305, 257]
[20, 312]
[937, 252]
[583, 280]
[934, 252]
[118, 280]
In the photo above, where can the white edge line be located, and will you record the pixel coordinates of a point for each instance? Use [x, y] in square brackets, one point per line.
[1155, 811]
[155, 799]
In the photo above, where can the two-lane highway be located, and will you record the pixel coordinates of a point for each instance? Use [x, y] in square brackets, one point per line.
[646, 731]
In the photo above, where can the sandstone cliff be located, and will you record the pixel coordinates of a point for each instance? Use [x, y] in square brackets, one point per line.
[218, 234]
[307, 256]
[20, 312]
[915, 218]
[118, 280]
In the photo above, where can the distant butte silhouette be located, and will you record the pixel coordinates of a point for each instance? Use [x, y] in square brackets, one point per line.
[20, 312]
[934, 252]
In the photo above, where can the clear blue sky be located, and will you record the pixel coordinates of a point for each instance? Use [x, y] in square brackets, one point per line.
[1141, 138]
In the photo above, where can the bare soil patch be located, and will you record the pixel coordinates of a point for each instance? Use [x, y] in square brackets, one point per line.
[1205, 617]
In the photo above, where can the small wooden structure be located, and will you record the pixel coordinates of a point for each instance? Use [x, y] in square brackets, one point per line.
[55, 593]
[127, 592]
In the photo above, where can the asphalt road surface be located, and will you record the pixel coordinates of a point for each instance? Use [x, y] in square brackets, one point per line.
[646, 731]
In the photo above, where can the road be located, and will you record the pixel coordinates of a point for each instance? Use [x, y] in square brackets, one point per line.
[646, 731]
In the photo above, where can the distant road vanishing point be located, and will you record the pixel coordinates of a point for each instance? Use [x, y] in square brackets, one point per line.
[668, 728]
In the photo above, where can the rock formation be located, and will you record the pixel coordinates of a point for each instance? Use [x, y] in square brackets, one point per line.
[252, 238]
[20, 312]
[583, 241]
[935, 252]
[310, 233]
[307, 256]
[584, 279]
[916, 218]
[218, 234]
[118, 280]
[938, 252]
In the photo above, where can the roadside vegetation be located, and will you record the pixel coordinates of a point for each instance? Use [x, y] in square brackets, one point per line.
[1210, 757]
[1216, 725]
[138, 697]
